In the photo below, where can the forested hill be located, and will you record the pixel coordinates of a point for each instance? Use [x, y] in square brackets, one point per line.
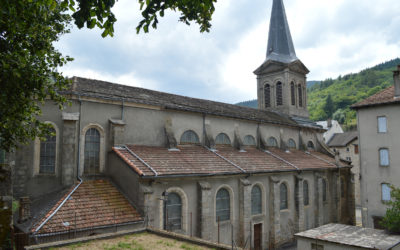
[333, 97]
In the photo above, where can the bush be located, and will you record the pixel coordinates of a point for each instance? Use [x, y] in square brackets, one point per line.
[391, 220]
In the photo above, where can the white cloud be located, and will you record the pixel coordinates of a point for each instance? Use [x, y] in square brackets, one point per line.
[130, 79]
[331, 37]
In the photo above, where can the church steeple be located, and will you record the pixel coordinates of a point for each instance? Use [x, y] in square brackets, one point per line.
[281, 79]
[280, 45]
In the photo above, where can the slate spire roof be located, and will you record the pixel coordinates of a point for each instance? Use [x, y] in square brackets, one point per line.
[280, 45]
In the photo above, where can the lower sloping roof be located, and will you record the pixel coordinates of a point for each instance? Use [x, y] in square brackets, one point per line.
[367, 238]
[148, 161]
[94, 203]
[342, 139]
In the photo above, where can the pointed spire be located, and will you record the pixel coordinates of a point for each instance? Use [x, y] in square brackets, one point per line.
[280, 45]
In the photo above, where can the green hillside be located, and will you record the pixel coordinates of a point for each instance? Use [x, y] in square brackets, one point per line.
[333, 97]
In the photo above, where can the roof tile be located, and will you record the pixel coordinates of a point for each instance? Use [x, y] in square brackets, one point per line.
[386, 96]
[94, 203]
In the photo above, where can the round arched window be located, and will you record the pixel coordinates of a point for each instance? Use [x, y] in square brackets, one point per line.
[223, 205]
[291, 143]
[189, 137]
[272, 142]
[223, 139]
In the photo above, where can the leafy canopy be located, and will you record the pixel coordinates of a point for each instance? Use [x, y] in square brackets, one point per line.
[391, 220]
[98, 13]
[28, 66]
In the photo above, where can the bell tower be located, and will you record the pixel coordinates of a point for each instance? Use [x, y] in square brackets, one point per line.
[281, 79]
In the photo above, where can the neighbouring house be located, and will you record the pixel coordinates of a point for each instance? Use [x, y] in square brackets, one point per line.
[378, 120]
[217, 171]
[332, 127]
[337, 236]
[346, 144]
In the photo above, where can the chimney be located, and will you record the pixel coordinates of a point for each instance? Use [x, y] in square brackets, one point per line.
[24, 209]
[329, 122]
[396, 79]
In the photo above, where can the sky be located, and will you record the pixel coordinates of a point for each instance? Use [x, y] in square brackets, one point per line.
[331, 37]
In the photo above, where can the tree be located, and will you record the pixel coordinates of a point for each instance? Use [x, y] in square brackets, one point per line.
[328, 107]
[98, 13]
[391, 220]
[29, 64]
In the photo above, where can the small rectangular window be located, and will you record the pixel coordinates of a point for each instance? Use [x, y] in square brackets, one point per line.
[382, 124]
[385, 192]
[347, 149]
[356, 149]
[384, 157]
[315, 246]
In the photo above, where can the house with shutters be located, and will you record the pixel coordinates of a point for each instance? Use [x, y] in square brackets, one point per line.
[125, 157]
[377, 121]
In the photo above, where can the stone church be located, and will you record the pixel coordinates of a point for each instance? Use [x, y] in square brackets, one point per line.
[124, 157]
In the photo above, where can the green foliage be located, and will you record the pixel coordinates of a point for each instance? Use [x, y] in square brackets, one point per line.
[391, 220]
[347, 90]
[29, 64]
[328, 107]
[98, 13]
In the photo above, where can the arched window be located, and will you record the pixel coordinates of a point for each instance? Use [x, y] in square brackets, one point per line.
[323, 189]
[291, 143]
[292, 90]
[300, 96]
[284, 196]
[306, 198]
[92, 151]
[189, 137]
[173, 212]
[249, 140]
[223, 206]
[272, 142]
[279, 98]
[256, 200]
[222, 138]
[48, 153]
[267, 95]
[310, 145]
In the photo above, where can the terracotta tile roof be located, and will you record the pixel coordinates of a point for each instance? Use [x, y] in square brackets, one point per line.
[111, 91]
[386, 96]
[190, 159]
[197, 160]
[303, 160]
[254, 160]
[95, 203]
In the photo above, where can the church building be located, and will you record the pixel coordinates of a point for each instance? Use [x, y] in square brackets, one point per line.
[124, 157]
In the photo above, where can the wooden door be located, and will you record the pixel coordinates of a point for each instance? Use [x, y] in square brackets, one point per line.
[257, 236]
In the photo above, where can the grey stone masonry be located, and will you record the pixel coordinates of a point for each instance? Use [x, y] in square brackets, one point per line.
[148, 205]
[69, 153]
[244, 209]
[299, 199]
[319, 218]
[336, 211]
[117, 129]
[205, 206]
[351, 201]
[274, 213]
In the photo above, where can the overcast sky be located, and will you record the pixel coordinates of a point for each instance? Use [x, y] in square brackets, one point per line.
[331, 37]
